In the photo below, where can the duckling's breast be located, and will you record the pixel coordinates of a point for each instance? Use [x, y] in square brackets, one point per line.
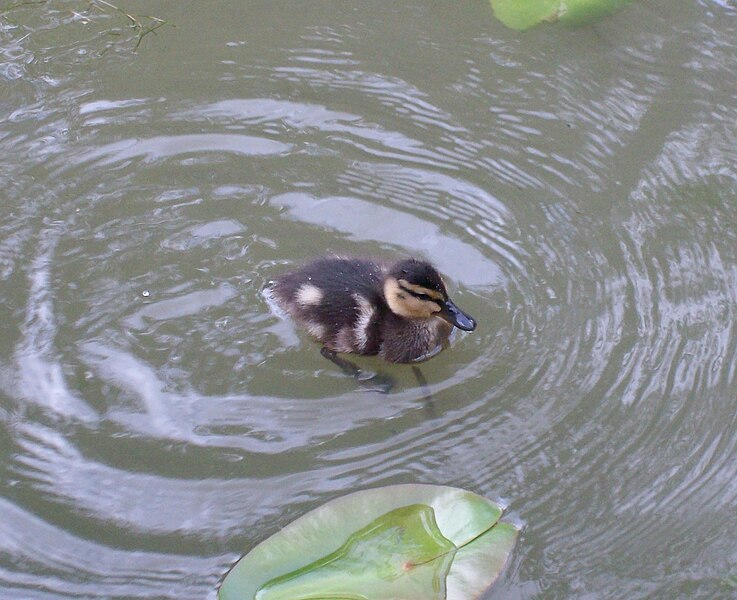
[407, 340]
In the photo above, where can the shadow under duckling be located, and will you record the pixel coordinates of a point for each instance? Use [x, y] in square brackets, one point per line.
[400, 311]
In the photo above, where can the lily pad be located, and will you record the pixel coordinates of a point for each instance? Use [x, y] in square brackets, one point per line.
[523, 14]
[401, 542]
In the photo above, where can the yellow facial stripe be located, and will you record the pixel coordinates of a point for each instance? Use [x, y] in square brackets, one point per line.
[418, 289]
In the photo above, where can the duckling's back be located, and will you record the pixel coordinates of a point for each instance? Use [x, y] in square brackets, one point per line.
[338, 300]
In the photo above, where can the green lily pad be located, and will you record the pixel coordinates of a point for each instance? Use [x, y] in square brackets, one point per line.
[523, 14]
[401, 542]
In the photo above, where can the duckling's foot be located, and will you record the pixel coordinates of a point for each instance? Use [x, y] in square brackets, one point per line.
[372, 382]
[423, 383]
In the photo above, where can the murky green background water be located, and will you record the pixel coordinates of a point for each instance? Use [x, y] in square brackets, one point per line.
[577, 187]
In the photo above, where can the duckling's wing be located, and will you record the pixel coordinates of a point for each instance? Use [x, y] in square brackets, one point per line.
[329, 282]
[337, 300]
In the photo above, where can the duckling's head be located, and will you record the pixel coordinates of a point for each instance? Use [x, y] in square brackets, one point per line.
[414, 289]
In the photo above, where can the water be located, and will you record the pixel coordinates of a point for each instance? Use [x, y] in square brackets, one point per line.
[576, 187]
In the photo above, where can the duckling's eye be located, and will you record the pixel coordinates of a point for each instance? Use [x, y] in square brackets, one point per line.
[419, 295]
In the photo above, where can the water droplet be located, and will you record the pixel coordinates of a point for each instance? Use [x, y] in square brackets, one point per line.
[145, 293]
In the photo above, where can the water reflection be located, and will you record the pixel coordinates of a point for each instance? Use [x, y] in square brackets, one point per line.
[365, 221]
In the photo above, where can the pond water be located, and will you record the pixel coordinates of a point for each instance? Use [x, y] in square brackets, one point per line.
[577, 187]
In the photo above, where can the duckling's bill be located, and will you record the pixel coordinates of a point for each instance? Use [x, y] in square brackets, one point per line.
[455, 316]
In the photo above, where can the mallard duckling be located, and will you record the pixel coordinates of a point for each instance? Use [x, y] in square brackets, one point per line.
[399, 311]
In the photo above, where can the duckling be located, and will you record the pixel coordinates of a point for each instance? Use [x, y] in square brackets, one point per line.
[399, 311]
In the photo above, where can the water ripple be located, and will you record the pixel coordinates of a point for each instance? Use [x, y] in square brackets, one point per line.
[579, 198]
[77, 567]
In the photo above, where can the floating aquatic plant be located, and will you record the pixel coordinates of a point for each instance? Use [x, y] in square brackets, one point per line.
[523, 14]
[402, 542]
